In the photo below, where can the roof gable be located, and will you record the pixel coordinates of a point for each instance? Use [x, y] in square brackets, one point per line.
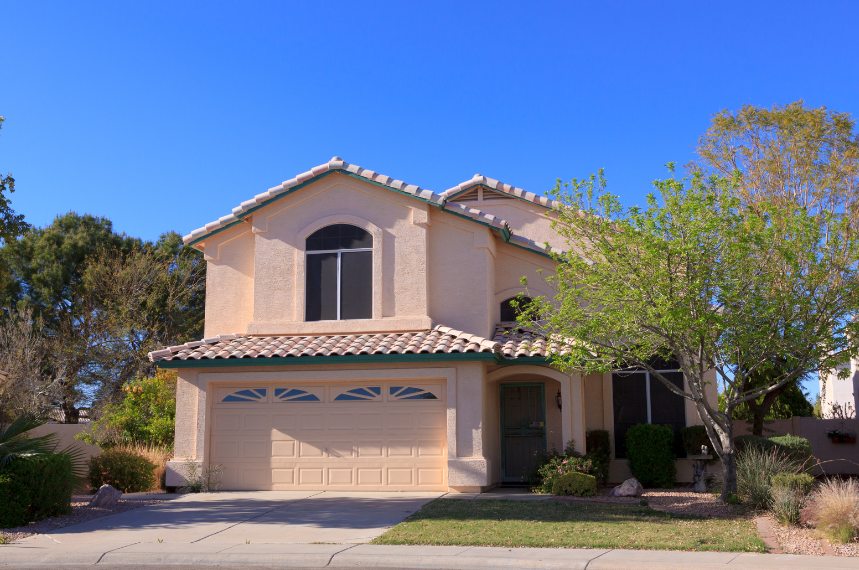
[464, 189]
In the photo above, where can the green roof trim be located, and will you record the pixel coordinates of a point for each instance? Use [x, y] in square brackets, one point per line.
[213, 232]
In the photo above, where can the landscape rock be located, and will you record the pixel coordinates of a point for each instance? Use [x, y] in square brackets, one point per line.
[629, 488]
[105, 497]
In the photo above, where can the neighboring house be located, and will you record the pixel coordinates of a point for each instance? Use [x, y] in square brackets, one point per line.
[840, 398]
[360, 336]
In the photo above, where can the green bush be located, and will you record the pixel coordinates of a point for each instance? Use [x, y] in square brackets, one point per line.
[650, 453]
[146, 415]
[755, 469]
[576, 484]
[558, 467]
[693, 438]
[32, 489]
[802, 482]
[123, 470]
[744, 442]
[598, 445]
[797, 448]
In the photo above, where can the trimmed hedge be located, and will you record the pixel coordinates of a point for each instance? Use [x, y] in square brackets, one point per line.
[743, 442]
[650, 454]
[576, 484]
[797, 448]
[693, 438]
[32, 489]
[598, 445]
[802, 482]
[123, 470]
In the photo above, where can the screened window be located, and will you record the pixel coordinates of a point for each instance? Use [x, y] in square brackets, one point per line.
[509, 312]
[339, 272]
[640, 399]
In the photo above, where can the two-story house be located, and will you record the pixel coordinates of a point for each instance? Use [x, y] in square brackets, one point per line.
[359, 335]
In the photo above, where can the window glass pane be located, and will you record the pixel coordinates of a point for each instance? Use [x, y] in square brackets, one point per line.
[356, 285]
[630, 406]
[339, 236]
[667, 408]
[508, 313]
[321, 287]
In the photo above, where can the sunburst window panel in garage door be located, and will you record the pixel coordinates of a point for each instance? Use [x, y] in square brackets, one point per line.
[315, 394]
[246, 395]
[374, 442]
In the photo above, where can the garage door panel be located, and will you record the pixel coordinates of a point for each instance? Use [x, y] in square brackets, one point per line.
[369, 438]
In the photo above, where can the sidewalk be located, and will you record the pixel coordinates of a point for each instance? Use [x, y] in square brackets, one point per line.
[43, 550]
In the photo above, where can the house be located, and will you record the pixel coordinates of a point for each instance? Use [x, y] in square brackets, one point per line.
[359, 335]
[839, 398]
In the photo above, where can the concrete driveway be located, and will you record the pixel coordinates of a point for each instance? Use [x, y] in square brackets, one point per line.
[284, 517]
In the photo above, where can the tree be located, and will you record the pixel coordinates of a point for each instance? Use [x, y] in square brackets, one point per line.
[11, 224]
[697, 277]
[789, 154]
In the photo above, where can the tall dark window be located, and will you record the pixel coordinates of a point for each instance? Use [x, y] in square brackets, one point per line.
[339, 274]
[640, 399]
[509, 312]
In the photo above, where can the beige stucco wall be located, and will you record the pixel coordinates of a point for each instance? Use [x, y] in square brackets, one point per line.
[66, 437]
[229, 281]
[527, 220]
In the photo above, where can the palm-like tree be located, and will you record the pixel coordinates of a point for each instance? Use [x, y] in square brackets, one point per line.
[15, 443]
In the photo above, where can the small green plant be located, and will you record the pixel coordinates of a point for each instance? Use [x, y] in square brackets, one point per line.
[649, 449]
[5, 538]
[643, 503]
[734, 499]
[575, 484]
[802, 482]
[160, 540]
[123, 470]
[201, 481]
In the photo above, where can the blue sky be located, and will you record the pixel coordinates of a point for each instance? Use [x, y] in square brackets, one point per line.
[166, 115]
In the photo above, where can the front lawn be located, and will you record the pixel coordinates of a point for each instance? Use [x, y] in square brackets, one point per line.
[511, 523]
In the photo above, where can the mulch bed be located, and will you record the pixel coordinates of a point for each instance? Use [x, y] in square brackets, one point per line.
[81, 512]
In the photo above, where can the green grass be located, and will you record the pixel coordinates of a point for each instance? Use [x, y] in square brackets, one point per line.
[510, 523]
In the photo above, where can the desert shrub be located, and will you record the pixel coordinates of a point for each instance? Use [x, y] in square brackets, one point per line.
[803, 482]
[146, 415]
[159, 456]
[598, 445]
[650, 453]
[34, 488]
[755, 469]
[576, 484]
[797, 448]
[693, 438]
[833, 508]
[558, 467]
[201, 480]
[122, 469]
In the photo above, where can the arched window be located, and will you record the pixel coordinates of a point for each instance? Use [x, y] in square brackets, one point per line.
[509, 312]
[339, 274]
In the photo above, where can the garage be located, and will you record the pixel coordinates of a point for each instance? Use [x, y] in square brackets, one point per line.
[389, 436]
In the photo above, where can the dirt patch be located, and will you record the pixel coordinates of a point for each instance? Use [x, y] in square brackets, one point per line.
[81, 512]
[679, 501]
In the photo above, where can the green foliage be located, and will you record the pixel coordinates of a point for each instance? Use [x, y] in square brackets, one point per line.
[833, 509]
[16, 443]
[598, 445]
[797, 448]
[34, 488]
[650, 454]
[756, 467]
[146, 415]
[123, 470]
[575, 484]
[803, 482]
[11, 224]
[203, 480]
[693, 438]
[557, 467]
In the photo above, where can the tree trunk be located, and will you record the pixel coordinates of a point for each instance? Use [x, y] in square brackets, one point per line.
[759, 411]
[729, 473]
[70, 412]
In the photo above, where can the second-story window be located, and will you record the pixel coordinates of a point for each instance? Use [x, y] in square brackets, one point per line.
[339, 274]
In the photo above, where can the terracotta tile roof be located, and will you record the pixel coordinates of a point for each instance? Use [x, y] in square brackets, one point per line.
[439, 340]
[518, 342]
[338, 164]
[480, 180]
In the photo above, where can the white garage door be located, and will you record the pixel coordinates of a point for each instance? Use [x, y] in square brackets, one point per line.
[373, 436]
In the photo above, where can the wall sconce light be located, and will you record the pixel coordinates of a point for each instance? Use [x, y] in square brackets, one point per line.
[558, 399]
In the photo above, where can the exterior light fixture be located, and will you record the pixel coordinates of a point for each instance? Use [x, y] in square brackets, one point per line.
[558, 399]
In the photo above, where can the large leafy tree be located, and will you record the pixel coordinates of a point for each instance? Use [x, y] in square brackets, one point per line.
[11, 224]
[788, 154]
[698, 277]
[105, 300]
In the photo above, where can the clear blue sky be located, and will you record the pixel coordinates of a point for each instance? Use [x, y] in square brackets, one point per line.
[166, 115]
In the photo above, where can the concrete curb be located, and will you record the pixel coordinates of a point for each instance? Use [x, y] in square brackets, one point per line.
[46, 552]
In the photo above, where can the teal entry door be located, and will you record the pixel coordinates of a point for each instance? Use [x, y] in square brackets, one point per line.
[523, 429]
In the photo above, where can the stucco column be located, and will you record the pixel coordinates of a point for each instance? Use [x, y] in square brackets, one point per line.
[467, 469]
[189, 442]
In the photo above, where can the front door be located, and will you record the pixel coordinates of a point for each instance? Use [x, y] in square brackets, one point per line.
[523, 429]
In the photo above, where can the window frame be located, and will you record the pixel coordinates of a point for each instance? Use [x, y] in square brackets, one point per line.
[649, 410]
[339, 253]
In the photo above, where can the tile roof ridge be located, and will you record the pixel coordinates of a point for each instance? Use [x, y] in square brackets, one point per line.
[480, 180]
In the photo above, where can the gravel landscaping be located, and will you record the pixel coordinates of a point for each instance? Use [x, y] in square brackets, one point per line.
[81, 512]
[804, 540]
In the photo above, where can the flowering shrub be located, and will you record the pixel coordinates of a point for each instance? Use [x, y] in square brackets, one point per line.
[560, 466]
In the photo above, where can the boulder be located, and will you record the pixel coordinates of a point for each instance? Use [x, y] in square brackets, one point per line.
[629, 488]
[105, 497]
